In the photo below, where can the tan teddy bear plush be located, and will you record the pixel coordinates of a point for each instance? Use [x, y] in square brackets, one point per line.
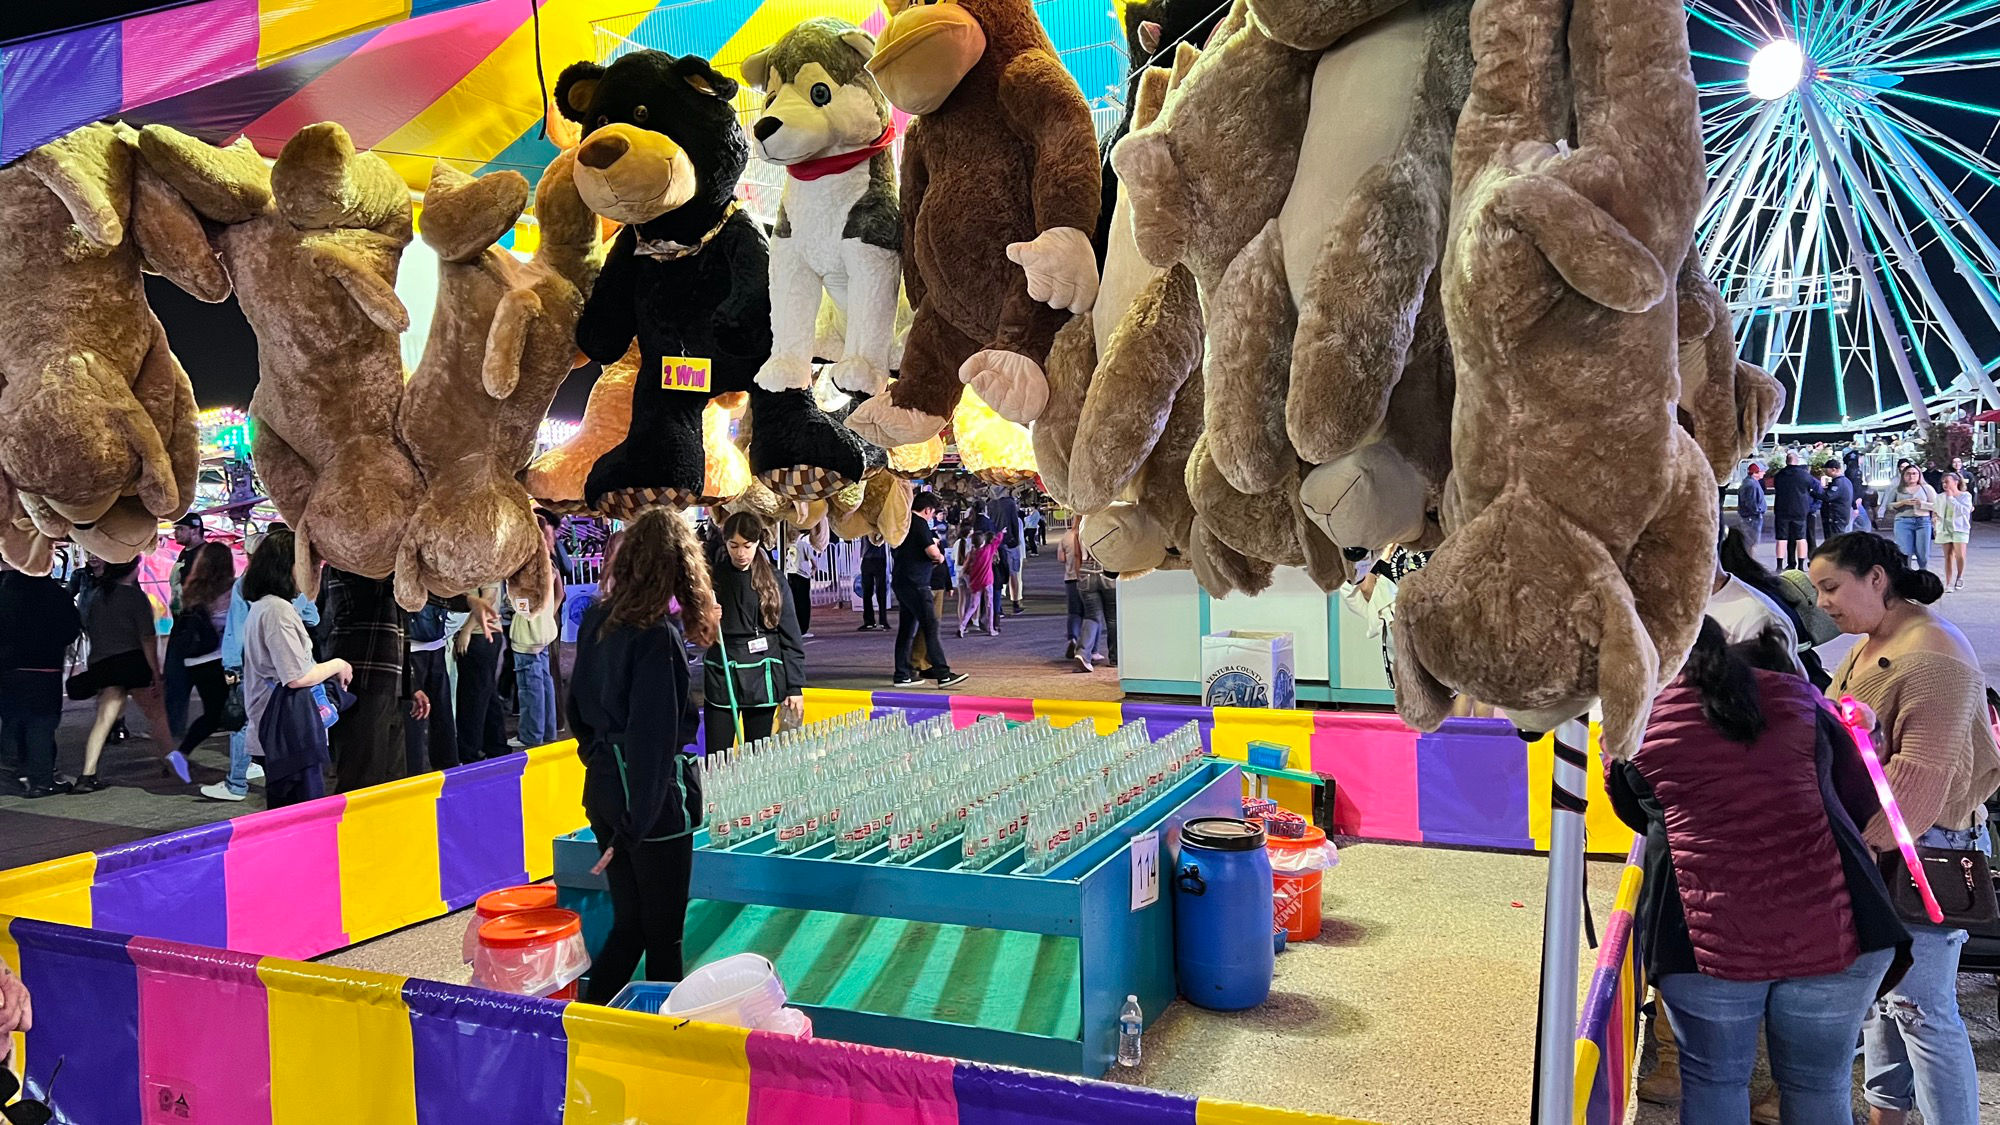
[1558, 286]
[555, 477]
[1726, 403]
[93, 405]
[501, 342]
[312, 245]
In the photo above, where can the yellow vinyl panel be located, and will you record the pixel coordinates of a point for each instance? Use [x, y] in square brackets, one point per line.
[57, 890]
[340, 1045]
[825, 703]
[551, 803]
[1105, 716]
[1604, 833]
[286, 27]
[389, 857]
[627, 1066]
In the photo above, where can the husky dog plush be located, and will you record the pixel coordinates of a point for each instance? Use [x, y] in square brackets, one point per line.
[839, 229]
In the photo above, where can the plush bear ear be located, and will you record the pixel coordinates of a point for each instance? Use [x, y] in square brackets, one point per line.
[576, 87]
[860, 42]
[1149, 36]
[757, 70]
[697, 73]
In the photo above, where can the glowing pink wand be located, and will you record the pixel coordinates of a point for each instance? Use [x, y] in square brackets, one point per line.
[1866, 744]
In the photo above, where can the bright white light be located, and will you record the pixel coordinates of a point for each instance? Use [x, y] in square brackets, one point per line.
[1776, 69]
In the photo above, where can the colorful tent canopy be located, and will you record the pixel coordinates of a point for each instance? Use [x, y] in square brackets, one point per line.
[415, 80]
[55, 83]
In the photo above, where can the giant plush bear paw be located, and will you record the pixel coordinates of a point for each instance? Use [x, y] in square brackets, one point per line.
[860, 375]
[1009, 382]
[1061, 268]
[881, 423]
[785, 373]
[644, 471]
[797, 450]
[1372, 497]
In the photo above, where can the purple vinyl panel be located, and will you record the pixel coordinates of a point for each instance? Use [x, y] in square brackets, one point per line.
[486, 1058]
[480, 846]
[1472, 785]
[86, 1017]
[1163, 719]
[170, 887]
[991, 1095]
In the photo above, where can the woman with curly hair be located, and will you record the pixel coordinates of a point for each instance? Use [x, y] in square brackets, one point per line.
[634, 721]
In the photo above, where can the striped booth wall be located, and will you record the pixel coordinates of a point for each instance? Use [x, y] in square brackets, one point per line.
[208, 1006]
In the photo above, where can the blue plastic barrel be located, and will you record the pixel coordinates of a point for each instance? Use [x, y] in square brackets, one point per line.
[1223, 914]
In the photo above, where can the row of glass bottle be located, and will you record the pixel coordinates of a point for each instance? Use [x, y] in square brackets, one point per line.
[864, 782]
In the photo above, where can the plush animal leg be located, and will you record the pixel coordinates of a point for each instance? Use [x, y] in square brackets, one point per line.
[1315, 25]
[500, 370]
[874, 277]
[1628, 672]
[412, 587]
[1011, 383]
[21, 545]
[920, 402]
[157, 379]
[1670, 573]
[1358, 315]
[1250, 325]
[1151, 356]
[1072, 365]
[164, 393]
[534, 578]
[287, 478]
[1592, 250]
[1222, 570]
[795, 297]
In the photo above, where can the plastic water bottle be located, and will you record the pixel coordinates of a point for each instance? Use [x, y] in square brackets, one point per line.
[1130, 1024]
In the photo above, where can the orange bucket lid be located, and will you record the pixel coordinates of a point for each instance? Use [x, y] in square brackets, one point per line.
[530, 927]
[513, 900]
[1313, 838]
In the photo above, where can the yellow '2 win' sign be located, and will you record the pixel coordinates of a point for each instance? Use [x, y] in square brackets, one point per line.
[684, 373]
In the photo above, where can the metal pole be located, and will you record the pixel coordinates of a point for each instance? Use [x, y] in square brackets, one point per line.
[1562, 925]
[1863, 263]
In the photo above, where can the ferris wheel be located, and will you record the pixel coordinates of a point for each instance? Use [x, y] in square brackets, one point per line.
[1850, 159]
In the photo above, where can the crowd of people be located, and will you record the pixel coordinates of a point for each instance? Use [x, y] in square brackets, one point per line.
[1820, 493]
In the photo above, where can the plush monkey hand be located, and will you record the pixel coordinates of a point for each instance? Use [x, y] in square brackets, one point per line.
[1011, 383]
[1061, 268]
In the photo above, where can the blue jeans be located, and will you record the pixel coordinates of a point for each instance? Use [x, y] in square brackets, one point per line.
[536, 694]
[1810, 1023]
[239, 757]
[1913, 536]
[1919, 1054]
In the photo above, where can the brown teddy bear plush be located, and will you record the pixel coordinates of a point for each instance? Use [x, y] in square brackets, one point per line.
[999, 195]
[1726, 403]
[555, 478]
[93, 405]
[312, 245]
[1557, 284]
[501, 342]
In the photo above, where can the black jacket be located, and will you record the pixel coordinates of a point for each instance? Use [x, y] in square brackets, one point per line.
[292, 733]
[761, 678]
[41, 621]
[1839, 509]
[1797, 491]
[630, 709]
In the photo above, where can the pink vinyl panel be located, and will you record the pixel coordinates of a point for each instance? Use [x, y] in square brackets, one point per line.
[283, 873]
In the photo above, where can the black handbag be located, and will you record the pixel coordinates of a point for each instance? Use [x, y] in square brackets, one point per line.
[234, 716]
[1961, 881]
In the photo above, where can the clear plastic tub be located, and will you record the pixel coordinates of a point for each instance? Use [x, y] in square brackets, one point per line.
[532, 953]
[500, 903]
[741, 991]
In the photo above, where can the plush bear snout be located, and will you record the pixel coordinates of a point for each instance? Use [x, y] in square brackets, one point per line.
[631, 174]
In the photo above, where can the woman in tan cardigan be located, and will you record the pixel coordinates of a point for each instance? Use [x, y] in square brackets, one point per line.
[1922, 680]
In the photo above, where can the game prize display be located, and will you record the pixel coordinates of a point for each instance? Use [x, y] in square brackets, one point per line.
[989, 788]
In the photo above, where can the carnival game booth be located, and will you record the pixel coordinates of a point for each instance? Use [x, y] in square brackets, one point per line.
[168, 973]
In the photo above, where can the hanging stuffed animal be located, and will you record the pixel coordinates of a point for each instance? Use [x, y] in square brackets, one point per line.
[1558, 285]
[93, 405]
[312, 244]
[555, 478]
[839, 233]
[501, 343]
[999, 197]
[1727, 403]
[689, 277]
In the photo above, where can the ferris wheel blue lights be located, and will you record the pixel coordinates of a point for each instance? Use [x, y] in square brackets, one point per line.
[1849, 160]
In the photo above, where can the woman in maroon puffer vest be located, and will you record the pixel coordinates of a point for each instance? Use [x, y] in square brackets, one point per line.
[1761, 906]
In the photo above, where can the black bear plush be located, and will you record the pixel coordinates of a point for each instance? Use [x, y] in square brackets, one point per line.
[689, 275]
